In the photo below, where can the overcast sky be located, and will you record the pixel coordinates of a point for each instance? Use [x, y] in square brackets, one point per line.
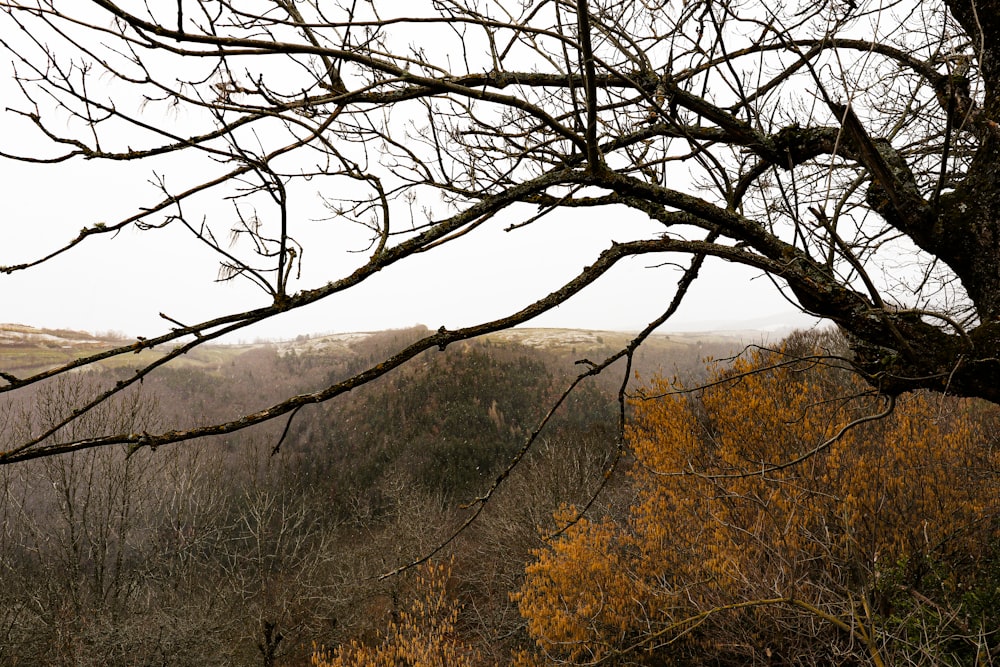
[123, 283]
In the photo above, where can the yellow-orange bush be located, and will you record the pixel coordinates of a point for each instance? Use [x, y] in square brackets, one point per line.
[425, 635]
[716, 523]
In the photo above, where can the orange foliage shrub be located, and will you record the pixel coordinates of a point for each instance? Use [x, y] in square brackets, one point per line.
[729, 555]
[424, 636]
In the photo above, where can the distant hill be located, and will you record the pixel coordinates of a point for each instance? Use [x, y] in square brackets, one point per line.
[26, 349]
[22, 335]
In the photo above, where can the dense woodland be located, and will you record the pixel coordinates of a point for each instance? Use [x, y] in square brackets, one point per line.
[737, 523]
[188, 554]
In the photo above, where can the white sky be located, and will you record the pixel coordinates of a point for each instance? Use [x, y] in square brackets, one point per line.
[123, 283]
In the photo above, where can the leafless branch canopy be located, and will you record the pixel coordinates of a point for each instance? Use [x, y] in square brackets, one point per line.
[849, 150]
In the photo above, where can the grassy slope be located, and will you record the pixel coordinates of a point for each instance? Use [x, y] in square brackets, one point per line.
[25, 350]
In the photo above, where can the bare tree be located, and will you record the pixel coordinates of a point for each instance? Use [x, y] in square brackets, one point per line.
[847, 150]
[179, 555]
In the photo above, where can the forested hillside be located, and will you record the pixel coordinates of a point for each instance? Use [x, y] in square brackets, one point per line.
[738, 523]
[208, 552]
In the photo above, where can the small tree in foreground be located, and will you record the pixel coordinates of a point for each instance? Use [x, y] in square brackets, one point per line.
[763, 532]
[425, 635]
